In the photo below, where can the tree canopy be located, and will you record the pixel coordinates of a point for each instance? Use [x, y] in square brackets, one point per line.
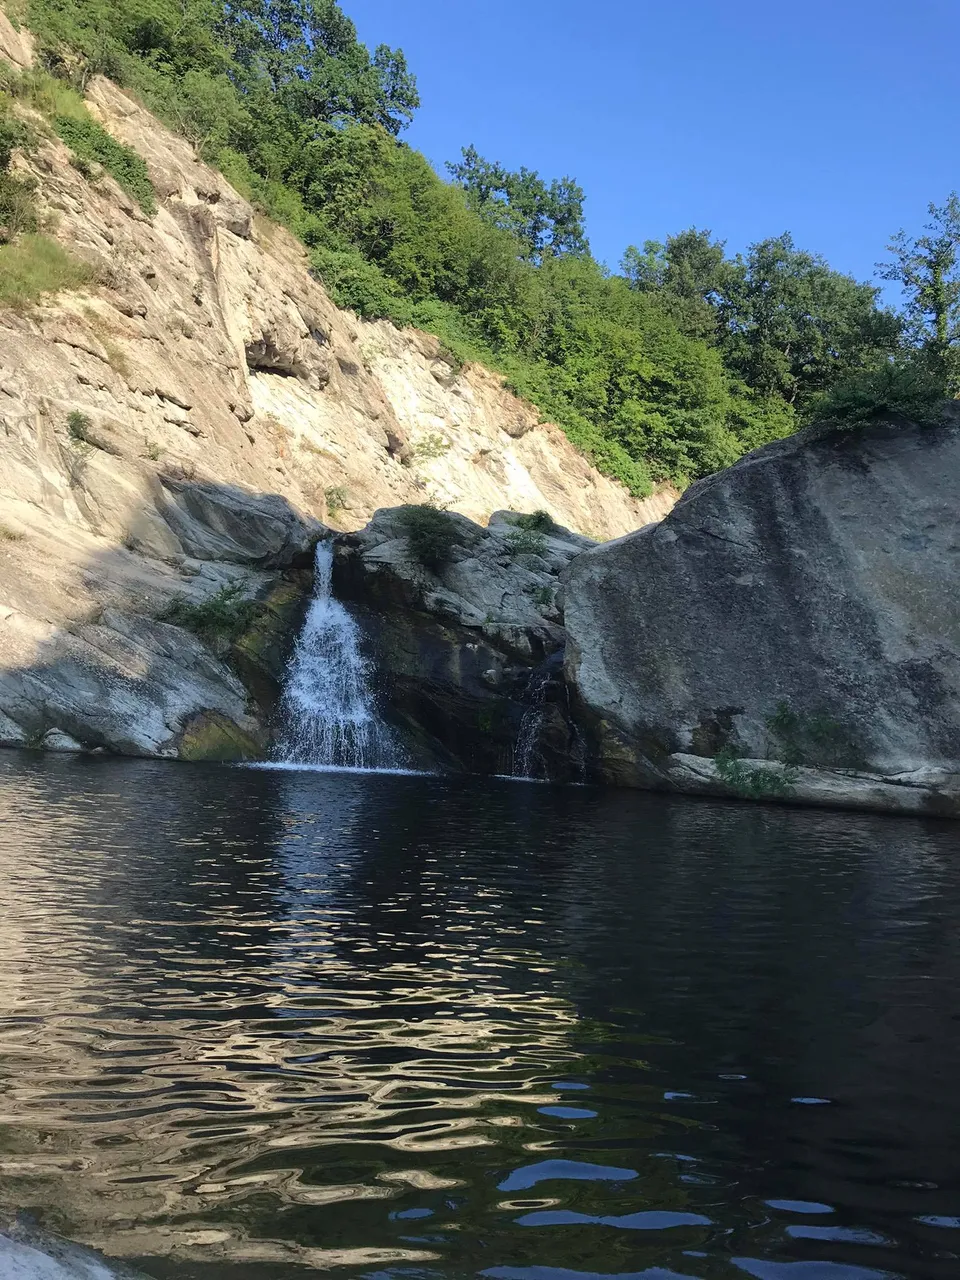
[928, 268]
[545, 219]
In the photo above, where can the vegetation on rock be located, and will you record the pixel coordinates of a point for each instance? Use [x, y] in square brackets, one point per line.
[91, 143]
[525, 540]
[535, 522]
[218, 621]
[35, 265]
[752, 782]
[431, 534]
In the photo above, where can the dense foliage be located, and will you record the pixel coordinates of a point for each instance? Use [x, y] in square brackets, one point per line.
[668, 369]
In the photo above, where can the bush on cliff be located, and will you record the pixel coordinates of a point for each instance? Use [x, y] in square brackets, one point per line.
[91, 143]
[218, 621]
[431, 534]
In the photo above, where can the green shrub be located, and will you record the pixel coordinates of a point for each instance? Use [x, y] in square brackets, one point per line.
[14, 134]
[432, 446]
[751, 783]
[91, 143]
[906, 388]
[336, 499]
[18, 213]
[526, 542]
[358, 285]
[220, 620]
[78, 426]
[36, 265]
[536, 522]
[431, 534]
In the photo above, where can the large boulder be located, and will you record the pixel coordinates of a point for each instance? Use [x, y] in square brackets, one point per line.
[797, 616]
[469, 644]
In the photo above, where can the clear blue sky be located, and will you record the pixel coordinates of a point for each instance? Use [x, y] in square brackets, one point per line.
[838, 120]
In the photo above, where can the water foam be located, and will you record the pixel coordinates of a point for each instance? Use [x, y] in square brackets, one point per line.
[329, 712]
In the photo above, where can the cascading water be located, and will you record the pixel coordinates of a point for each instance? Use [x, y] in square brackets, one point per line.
[528, 735]
[328, 709]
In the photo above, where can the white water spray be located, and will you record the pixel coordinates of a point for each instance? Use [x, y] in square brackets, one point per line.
[328, 709]
[528, 736]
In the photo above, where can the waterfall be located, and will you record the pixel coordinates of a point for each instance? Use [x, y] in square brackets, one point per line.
[328, 709]
[532, 722]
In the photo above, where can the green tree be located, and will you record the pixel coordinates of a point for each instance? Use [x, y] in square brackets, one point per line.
[688, 272]
[545, 219]
[928, 269]
[309, 55]
[791, 326]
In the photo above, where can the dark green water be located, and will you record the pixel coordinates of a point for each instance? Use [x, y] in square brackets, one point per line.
[255, 1023]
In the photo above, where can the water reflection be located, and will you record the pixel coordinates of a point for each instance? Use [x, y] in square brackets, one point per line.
[257, 1022]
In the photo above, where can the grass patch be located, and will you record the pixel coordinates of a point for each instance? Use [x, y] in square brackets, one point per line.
[36, 265]
[218, 621]
[46, 94]
[431, 535]
[9, 535]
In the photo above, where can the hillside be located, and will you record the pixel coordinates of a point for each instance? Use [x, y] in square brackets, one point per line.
[187, 419]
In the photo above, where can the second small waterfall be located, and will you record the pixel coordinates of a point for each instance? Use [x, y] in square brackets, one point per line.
[329, 711]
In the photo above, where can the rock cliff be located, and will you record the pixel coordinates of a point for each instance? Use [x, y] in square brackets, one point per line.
[188, 425]
[791, 629]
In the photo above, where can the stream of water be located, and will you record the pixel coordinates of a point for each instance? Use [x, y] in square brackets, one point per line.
[328, 713]
[259, 1025]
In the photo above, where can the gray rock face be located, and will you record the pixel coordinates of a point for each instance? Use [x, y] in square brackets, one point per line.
[802, 606]
[457, 645]
[118, 675]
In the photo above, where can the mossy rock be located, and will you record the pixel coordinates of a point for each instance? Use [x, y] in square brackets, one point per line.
[210, 735]
[259, 656]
